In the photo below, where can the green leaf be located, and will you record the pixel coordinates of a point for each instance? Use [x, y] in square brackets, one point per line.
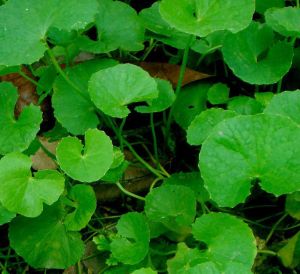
[284, 20]
[263, 98]
[202, 17]
[88, 163]
[16, 135]
[165, 98]
[132, 241]
[290, 253]
[222, 233]
[203, 124]
[244, 105]
[22, 193]
[84, 207]
[5, 215]
[292, 205]
[24, 26]
[172, 205]
[112, 89]
[191, 180]
[118, 26]
[45, 242]
[244, 149]
[263, 5]
[190, 101]
[286, 104]
[72, 109]
[144, 271]
[161, 30]
[254, 57]
[218, 94]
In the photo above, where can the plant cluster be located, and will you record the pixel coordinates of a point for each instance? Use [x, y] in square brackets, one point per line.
[228, 204]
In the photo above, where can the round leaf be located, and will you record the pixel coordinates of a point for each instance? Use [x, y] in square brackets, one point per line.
[292, 205]
[221, 233]
[16, 135]
[24, 26]
[44, 242]
[218, 94]
[202, 17]
[287, 104]
[190, 101]
[86, 164]
[164, 100]
[249, 148]
[5, 215]
[173, 205]
[85, 205]
[253, 57]
[132, 241]
[112, 89]
[75, 111]
[203, 124]
[22, 193]
[286, 20]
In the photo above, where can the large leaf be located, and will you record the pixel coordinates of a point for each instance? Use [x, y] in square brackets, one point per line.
[118, 26]
[253, 56]
[72, 109]
[203, 124]
[244, 149]
[16, 135]
[22, 193]
[132, 241]
[45, 242]
[230, 242]
[284, 20]
[172, 205]
[263, 5]
[5, 215]
[24, 26]
[287, 104]
[84, 200]
[112, 89]
[88, 163]
[202, 17]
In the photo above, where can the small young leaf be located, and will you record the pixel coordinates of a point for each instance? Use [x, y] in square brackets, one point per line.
[112, 89]
[284, 20]
[73, 110]
[132, 241]
[24, 194]
[292, 205]
[144, 271]
[85, 205]
[172, 205]
[245, 105]
[203, 17]
[253, 56]
[287, 104]
[246, 148]
[264, 98]
[24, 26]
[218, 94]
[222, 233]
[190, 101]
[16, 135]
[203, 124]
[45, 242]
[290, 253]
[5, 215]
[87, 164]
[165, 98]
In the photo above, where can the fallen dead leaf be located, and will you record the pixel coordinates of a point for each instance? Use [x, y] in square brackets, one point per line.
[170, 72]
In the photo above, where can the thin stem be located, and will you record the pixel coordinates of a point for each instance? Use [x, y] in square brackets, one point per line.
[274, 228]
[24, 75]
[64, 76]
[279, 85]
[265, 251]
[151, 46]
[125, 191]
[179, 83]
[120, 133]
[154, 137]
[297, 3]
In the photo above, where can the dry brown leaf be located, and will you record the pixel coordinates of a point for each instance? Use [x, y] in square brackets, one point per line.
[170, 72]
[40, 160]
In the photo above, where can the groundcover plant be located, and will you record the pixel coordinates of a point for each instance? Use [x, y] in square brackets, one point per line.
[115, 160]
